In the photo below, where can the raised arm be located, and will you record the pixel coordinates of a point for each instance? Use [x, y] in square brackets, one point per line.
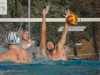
[65, 31]
[43, 31]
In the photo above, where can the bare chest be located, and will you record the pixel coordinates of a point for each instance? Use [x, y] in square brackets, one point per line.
[54, 56]
[57, 56]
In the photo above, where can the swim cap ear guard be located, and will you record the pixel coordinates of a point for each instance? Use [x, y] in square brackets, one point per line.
[12, 38]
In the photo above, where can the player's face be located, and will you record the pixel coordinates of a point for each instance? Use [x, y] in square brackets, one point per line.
[25, 35]
[50, 45]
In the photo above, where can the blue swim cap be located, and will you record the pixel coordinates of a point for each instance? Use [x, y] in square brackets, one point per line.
[12, 38]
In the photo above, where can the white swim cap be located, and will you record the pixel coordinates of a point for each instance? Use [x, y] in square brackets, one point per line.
[12, 38]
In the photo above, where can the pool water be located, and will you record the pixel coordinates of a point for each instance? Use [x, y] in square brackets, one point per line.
[49, 67]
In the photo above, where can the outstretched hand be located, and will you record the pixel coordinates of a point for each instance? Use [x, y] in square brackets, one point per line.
[45, 10]
[67, 13]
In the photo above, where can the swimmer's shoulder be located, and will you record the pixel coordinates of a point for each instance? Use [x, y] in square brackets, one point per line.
[24, 51]
[5, 54]
[25, 54]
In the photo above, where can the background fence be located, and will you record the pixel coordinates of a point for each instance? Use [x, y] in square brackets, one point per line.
[89, 38]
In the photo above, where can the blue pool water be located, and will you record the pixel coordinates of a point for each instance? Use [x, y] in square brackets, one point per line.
[49, 67]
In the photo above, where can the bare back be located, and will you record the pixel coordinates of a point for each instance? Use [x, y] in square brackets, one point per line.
[15, 55]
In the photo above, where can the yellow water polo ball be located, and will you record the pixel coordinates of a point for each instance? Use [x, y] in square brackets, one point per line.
[72, 19]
